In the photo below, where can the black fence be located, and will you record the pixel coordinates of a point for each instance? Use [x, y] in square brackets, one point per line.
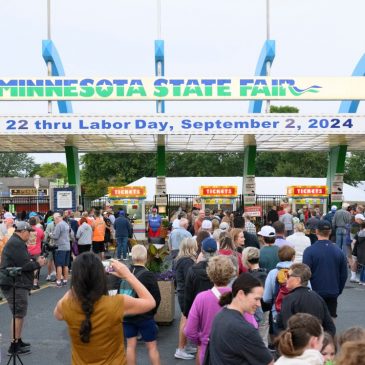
[186, 202]
[89, 202]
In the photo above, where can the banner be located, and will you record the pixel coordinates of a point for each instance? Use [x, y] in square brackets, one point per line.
[183, 88]
[256, 124]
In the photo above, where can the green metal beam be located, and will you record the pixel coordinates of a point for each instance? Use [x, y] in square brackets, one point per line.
[73, 168]
[161, 161]
[336, 165]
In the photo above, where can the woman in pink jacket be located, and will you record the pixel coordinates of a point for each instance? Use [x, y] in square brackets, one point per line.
[206, 304]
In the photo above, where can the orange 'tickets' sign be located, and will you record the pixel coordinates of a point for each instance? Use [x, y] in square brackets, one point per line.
[127, 191]
[304, 190]
[218, 191]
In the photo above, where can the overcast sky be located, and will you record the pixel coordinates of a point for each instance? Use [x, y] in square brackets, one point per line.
[203, 38]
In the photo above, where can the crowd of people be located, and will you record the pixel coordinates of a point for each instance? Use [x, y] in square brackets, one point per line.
[247, 294]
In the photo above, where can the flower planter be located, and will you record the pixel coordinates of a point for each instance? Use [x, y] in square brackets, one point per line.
[166, 311]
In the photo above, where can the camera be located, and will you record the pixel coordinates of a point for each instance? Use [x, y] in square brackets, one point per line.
[47, 249]
[107, 266]
[13, 271]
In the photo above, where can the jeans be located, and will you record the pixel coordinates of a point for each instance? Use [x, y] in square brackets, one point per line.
[362, 274]
[341, 239]
[122, 243]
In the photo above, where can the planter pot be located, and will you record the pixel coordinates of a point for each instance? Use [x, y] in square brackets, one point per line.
[166, 311]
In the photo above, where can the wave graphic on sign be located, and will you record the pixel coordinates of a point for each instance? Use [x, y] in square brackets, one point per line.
[297, 92]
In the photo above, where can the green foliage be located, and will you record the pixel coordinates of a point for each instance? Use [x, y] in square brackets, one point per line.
[156, 258]
[355, 168]
[16, 164]
[283, 109]
[53, 171]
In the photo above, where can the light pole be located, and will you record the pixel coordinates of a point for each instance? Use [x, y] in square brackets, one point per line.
[36, 185]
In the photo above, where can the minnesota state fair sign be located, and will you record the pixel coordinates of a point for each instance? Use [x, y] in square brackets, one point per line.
[218, 191]
[138, 192]
[182, 88]
[307, 191]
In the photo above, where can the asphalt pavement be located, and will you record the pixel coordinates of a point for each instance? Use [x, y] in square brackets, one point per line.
[50, 340]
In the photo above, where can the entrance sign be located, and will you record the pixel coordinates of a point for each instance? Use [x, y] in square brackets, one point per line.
[218, 191]
[256, 124]
[307, 191]
[127, 192]
[182, 88]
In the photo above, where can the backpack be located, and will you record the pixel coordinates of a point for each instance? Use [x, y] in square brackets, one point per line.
[126, 289]
[280, 287]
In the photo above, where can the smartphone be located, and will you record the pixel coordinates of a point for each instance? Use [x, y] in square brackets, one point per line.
[107, 266]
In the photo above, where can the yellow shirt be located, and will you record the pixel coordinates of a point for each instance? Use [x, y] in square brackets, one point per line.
[106, 346]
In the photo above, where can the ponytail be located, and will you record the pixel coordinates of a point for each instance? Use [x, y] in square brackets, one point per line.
[286, 346]
[225, 299]
[86, 326]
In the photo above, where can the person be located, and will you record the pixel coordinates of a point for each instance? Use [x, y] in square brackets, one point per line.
[280, 240]
[227, 248]
[238, 239]
[275, 284]
[249, 226]
[354, 333]
[143, 324]
[197, 279]
[340, 221]
[98, 226]
[183, 262]
[272, 215]
[269, 252]
[287, 219]
[123, 231]
[358, 256]
[299, 240]
[220, 271]
[93, 318]
[15, 254]
[50, 247]
[328, 266]
[328, 349]
[84, 236]
[352, 353]
[177, 236]
[232, 339]
[301, 342]
[154, 221]
[302, 299]
[61, 237]
[35, 247]
[198, 221]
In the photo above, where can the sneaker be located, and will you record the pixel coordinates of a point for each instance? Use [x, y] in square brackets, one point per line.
[58, 284]
[48, 278]
[361, 283]
[23, 344]
[356, 281]
[183, 355]
[125, 259]
[64, 282]
[36, 287]
[15, 348]
[190, 349]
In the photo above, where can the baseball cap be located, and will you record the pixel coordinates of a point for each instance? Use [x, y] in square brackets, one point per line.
[333, 208]
[359, 216]
[8, 215]
[32, 214]
[267, 231]
[323, 225]
[206, 224]
[23, 226]
[224, 226]
[209, 245]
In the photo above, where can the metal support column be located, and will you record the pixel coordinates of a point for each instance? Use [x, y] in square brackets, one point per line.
[249, 164]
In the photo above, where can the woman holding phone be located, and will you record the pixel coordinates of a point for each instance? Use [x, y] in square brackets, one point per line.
[95, 319]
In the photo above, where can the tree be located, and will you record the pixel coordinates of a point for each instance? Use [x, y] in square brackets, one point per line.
[354, 168]
[56, 170]
[16, 164]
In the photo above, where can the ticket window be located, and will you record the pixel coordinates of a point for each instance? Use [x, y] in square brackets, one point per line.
[220, 204]
[310, 203]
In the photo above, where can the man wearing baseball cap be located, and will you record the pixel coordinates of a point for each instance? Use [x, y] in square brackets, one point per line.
[328, 265]
[15, 255]
[269, 252]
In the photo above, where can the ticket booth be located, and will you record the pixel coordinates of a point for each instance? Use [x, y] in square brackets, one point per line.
[312, 196]
[218, 197]
[132, 200]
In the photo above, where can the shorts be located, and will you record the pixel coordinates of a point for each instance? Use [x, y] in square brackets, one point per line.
[147, 328]
[21, 300]
[98, 247]
[331, 305]
[61, 258]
